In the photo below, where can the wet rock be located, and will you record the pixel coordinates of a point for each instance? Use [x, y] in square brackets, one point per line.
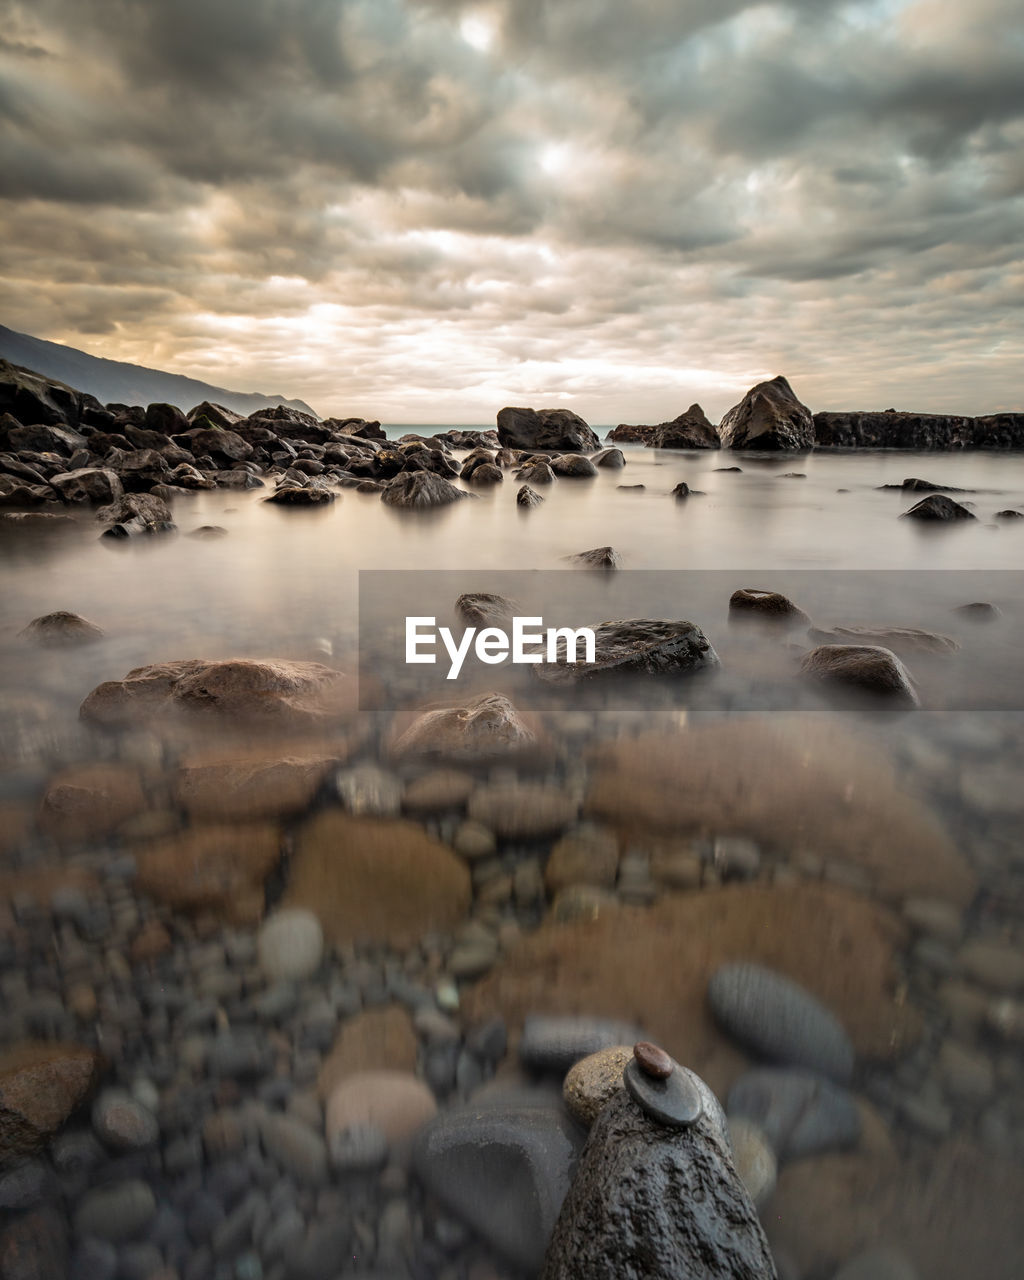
[235, 783]
[979, 611]
[613, 458]
[867, 669]
[573, 466]
[136, 513]
[34, 1246]
[394, 1103]
[376, 879]
[24, 1186]
[597, 558]
[483, 609]
[770, 605]
[212, 868]
[123, 1123]
[587, 856]
[487, 473]
[635, 646]
[535, 472]
[768, 417]
[88, 802]
[555, 1043]
[524, 810]
[658, 1202]
[420, 490]
[591, 1081]
[57, 630]
[801, 1113]
[691, 430]
[294, 495]
[938, 507]
[116, 1213]
[1008, 514]
[481, 728]
[526, 497]
[554, 429]
[41, 1085]
[502, 1165]
[290, 945]
[95, 486]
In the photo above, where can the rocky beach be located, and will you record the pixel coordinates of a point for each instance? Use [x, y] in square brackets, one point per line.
[706, 959]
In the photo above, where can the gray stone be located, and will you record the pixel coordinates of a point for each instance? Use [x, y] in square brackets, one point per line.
[635, 646]
[24, 1185]
[296, 1148]
[800, 1113]
[123, 1123]
[116, 1213]
[290, 945]
[674, 1101]
[552, 1042]
[778, 1020]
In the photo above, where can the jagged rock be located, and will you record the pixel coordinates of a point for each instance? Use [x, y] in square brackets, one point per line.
[526, 497]
[642, 646]
[482, 609]
[768, 417]
[302, 496]
[938, 507]
[891, 429]
[657, 1202]
[556, 429]
[419, 490]
[94, 485]
[136, 513]
[691, 430]
[56, 630]
[31, 398]
[864, 668]
[597, 558]
[535, 472]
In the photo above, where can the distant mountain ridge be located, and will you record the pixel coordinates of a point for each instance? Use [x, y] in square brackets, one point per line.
[117, 382]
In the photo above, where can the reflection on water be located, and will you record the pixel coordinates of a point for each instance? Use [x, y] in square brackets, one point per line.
[637, 838]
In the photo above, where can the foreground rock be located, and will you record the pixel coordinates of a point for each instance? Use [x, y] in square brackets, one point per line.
[219, 869]
[938, 507]
[41, 1085]
[768, 417]
[800, 783]
[635, 646]
[376, 880]
[61, 629]
[136, 513]
[868, 669]
[652, 966]
[244, 690]
[527, 497]
[558, 430]
[88, 802]
[659, 1202]
[482, 728]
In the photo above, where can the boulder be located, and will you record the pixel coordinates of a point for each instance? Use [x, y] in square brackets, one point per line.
[522, 810]
[482, 728]
[294, 495]
[94, 485]
[897, 429]
[220, 869]
[32, 398]
[691, 430]
[219, 443]
[41, 1085]
[938, 507]
[799, 783]
[768, 417]
[484, 609]
[771, 606]
[136, 513]
[559, 430]
[535, 472]
[614, 459]
[573, 466]
[168, 419]
[420, 490]
[87, 802]
[864, 669]
[61, 630]
[58, 441]
[635, 646]
[376, 880]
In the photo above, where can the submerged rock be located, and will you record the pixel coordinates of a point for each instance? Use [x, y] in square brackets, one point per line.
[483, 609]
[557, 429]
[482, 728]
[635, 646]
[870, 669]
[536, 472]
[938, 507]
[293, 495]
[613, 458]
[691, 430]
[526, 497]
[93, 485]
[56, 630]
[573, 466]
[770, 605]
[598, 558]
[898, 639]
[420, 490]
[768, 417]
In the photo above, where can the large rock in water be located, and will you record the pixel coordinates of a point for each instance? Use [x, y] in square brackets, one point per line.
[938, 507]
[768, 417]
[656, 1202]
[376, 880]
[559, 430]
[238, 690]
[868, 669]
[893, 429]
[800, 782]
[691, 430]
[635, 646]
[420, 490]
[41, 1084]
[652, 966]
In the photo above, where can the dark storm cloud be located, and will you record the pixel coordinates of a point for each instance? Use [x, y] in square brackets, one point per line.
[487, 197]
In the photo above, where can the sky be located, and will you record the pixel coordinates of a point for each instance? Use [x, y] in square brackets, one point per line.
[423, 210]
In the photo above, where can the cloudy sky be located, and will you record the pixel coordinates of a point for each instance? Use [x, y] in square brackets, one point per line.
[422, 210]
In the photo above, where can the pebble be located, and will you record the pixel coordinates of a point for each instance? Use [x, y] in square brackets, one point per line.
[593, 1080]
[367, 789]
[652, 1061]
[736, 858]
[290, 945]
[438, 791]
[754, 1159]
[673, 1100]
[115, 1213]
[94, 1260]
[296, 1148]
[394, 1102]
[589, 855]
[523, 810]
[122, 1122]
[967, 1073]
[473, 840]
[23, 1186]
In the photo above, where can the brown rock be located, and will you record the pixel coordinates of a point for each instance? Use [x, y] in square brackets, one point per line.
[376, 1038]
[866, 669]
[89, 802]
[41, 883]
[41, 1084]
[375, 879]
[212, 868]
[438, 790]
[954, 1212]
[394, 1102]
[151, 941]
[55, 630]
[272, 694]
[252, 784]
[523, 810]
[652, 967]
[481, 728]
[800, 782]
[583, 857]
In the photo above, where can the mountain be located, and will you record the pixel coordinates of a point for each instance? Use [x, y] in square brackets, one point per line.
[115, 382]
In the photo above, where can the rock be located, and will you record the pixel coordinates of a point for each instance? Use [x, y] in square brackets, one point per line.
[777, 1019]
[938, 507]
[535, 472]
[375, 879]
[438, 791]
[122, 1123]
[240, 690]
[41, 1084]
[290, 945]
[299, 1151]
[657, 1202]
[485, 727]
[967, 1073]
[796, 783]
[252, 783]
[373, 1040]
[591, 1081]
[768, 417]
[420, 490]
[555, 1043]
[652, 965]
[482, 609]
[901, 640]
[96, 486]
[691, 430]
[554, 429]
[116, 1213]
[395, 1103]
[769, 605]
[34, 399]
[473, 840]
[522, 810]
[587, 856]
[754, 1159]
[597, 558]
[23, 1186]
[294, 495]
[868, 669]
[488, 473]
[368, 789]
[1008, 514]
[979, 611]
[526, 497]
[34, 1246]
[136, 513]
[635, 646]
[209, 531]
[502, 1165]
[613, 458]
[682, 491]
[212, 868]
[88, 802]
[997, 965]
[57, 630]
[573, 466]
[800, 1113]
[892, 429]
